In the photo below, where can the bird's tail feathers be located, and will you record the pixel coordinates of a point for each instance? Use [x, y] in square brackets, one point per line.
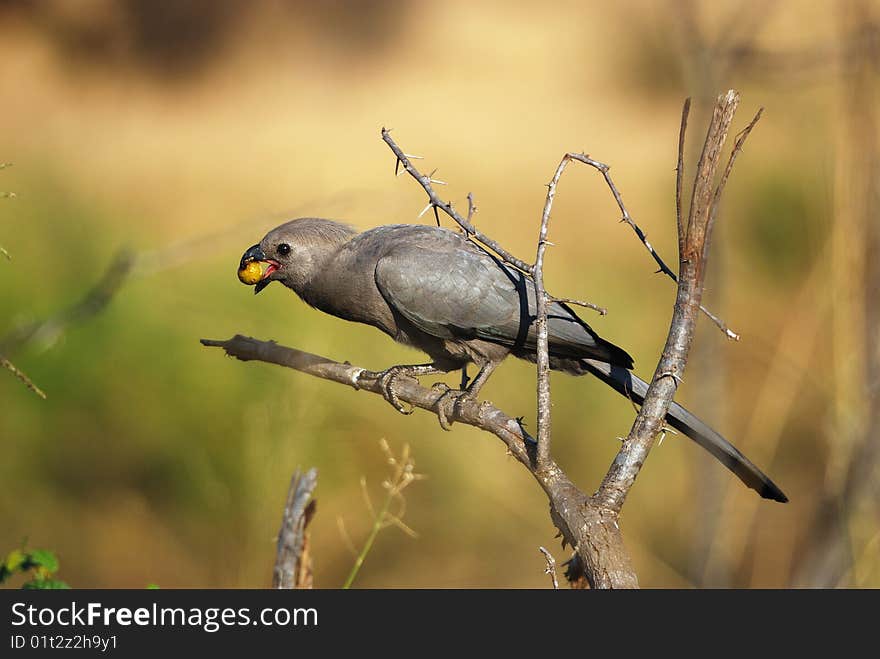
[634, 388]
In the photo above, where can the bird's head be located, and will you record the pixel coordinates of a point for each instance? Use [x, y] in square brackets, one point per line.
[291, 253]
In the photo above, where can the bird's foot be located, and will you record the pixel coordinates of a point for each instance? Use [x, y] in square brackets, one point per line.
[449, 402]
[386, 380]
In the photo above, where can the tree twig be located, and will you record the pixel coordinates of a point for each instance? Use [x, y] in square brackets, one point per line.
[551, 567]
[602, 311]
[543, 360]
[436, 202]
[17, 372]
[293, 565]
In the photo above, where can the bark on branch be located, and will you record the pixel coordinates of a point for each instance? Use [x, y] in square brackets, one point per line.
[293, 564]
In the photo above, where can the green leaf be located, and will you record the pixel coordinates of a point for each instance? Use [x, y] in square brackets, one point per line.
[152, 586]
[14, 562]
[44, 559]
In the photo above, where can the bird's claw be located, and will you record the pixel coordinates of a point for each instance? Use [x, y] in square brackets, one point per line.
[387, 384]
[386, 380]
[447, 408]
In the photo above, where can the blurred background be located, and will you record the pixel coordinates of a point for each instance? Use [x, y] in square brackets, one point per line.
[181, 132]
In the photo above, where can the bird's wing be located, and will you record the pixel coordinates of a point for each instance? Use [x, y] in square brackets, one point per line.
[447, 292]
[462, 292]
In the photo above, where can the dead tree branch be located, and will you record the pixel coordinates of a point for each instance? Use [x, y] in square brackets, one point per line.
[551, 567]
[670, 370]
[293, 565]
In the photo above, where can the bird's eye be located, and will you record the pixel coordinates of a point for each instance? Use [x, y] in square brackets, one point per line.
[284, 249]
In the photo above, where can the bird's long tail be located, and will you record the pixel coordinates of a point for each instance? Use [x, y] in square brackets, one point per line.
[634, 388]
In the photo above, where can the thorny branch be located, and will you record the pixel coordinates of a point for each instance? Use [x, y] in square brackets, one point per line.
[543, 351]
[436, 202]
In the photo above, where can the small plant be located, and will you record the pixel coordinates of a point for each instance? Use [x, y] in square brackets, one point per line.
[402, 474]
[40, 564]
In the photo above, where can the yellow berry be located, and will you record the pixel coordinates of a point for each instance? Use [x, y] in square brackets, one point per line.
[251, 273]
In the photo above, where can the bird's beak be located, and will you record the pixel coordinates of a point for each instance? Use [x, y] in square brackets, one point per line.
[255, 255]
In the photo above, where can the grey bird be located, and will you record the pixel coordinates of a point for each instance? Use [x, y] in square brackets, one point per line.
[433, 289]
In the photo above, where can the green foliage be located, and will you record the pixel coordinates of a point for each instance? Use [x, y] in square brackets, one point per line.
[41, 564]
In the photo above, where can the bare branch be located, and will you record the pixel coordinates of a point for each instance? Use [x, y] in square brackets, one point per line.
[627, 218]
[670, 369]
[446, 207]
[551, 567]
[679, 174]
[543, 360]
[293, 567]
[9, 366]
[521, 444]
[472, 208]
[602, 311]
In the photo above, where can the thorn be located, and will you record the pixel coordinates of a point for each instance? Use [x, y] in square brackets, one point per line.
[671, 375]
[437, 181]
[436, 216]
[409, 155]
[548, 243]
[425, 209]
[397, 167]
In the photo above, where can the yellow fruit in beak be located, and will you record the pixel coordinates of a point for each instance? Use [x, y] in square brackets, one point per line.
[251, 273]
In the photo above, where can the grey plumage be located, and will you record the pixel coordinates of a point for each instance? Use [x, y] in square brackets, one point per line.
[433, 289]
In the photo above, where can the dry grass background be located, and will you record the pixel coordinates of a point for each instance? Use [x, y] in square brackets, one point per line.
[154, 460]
